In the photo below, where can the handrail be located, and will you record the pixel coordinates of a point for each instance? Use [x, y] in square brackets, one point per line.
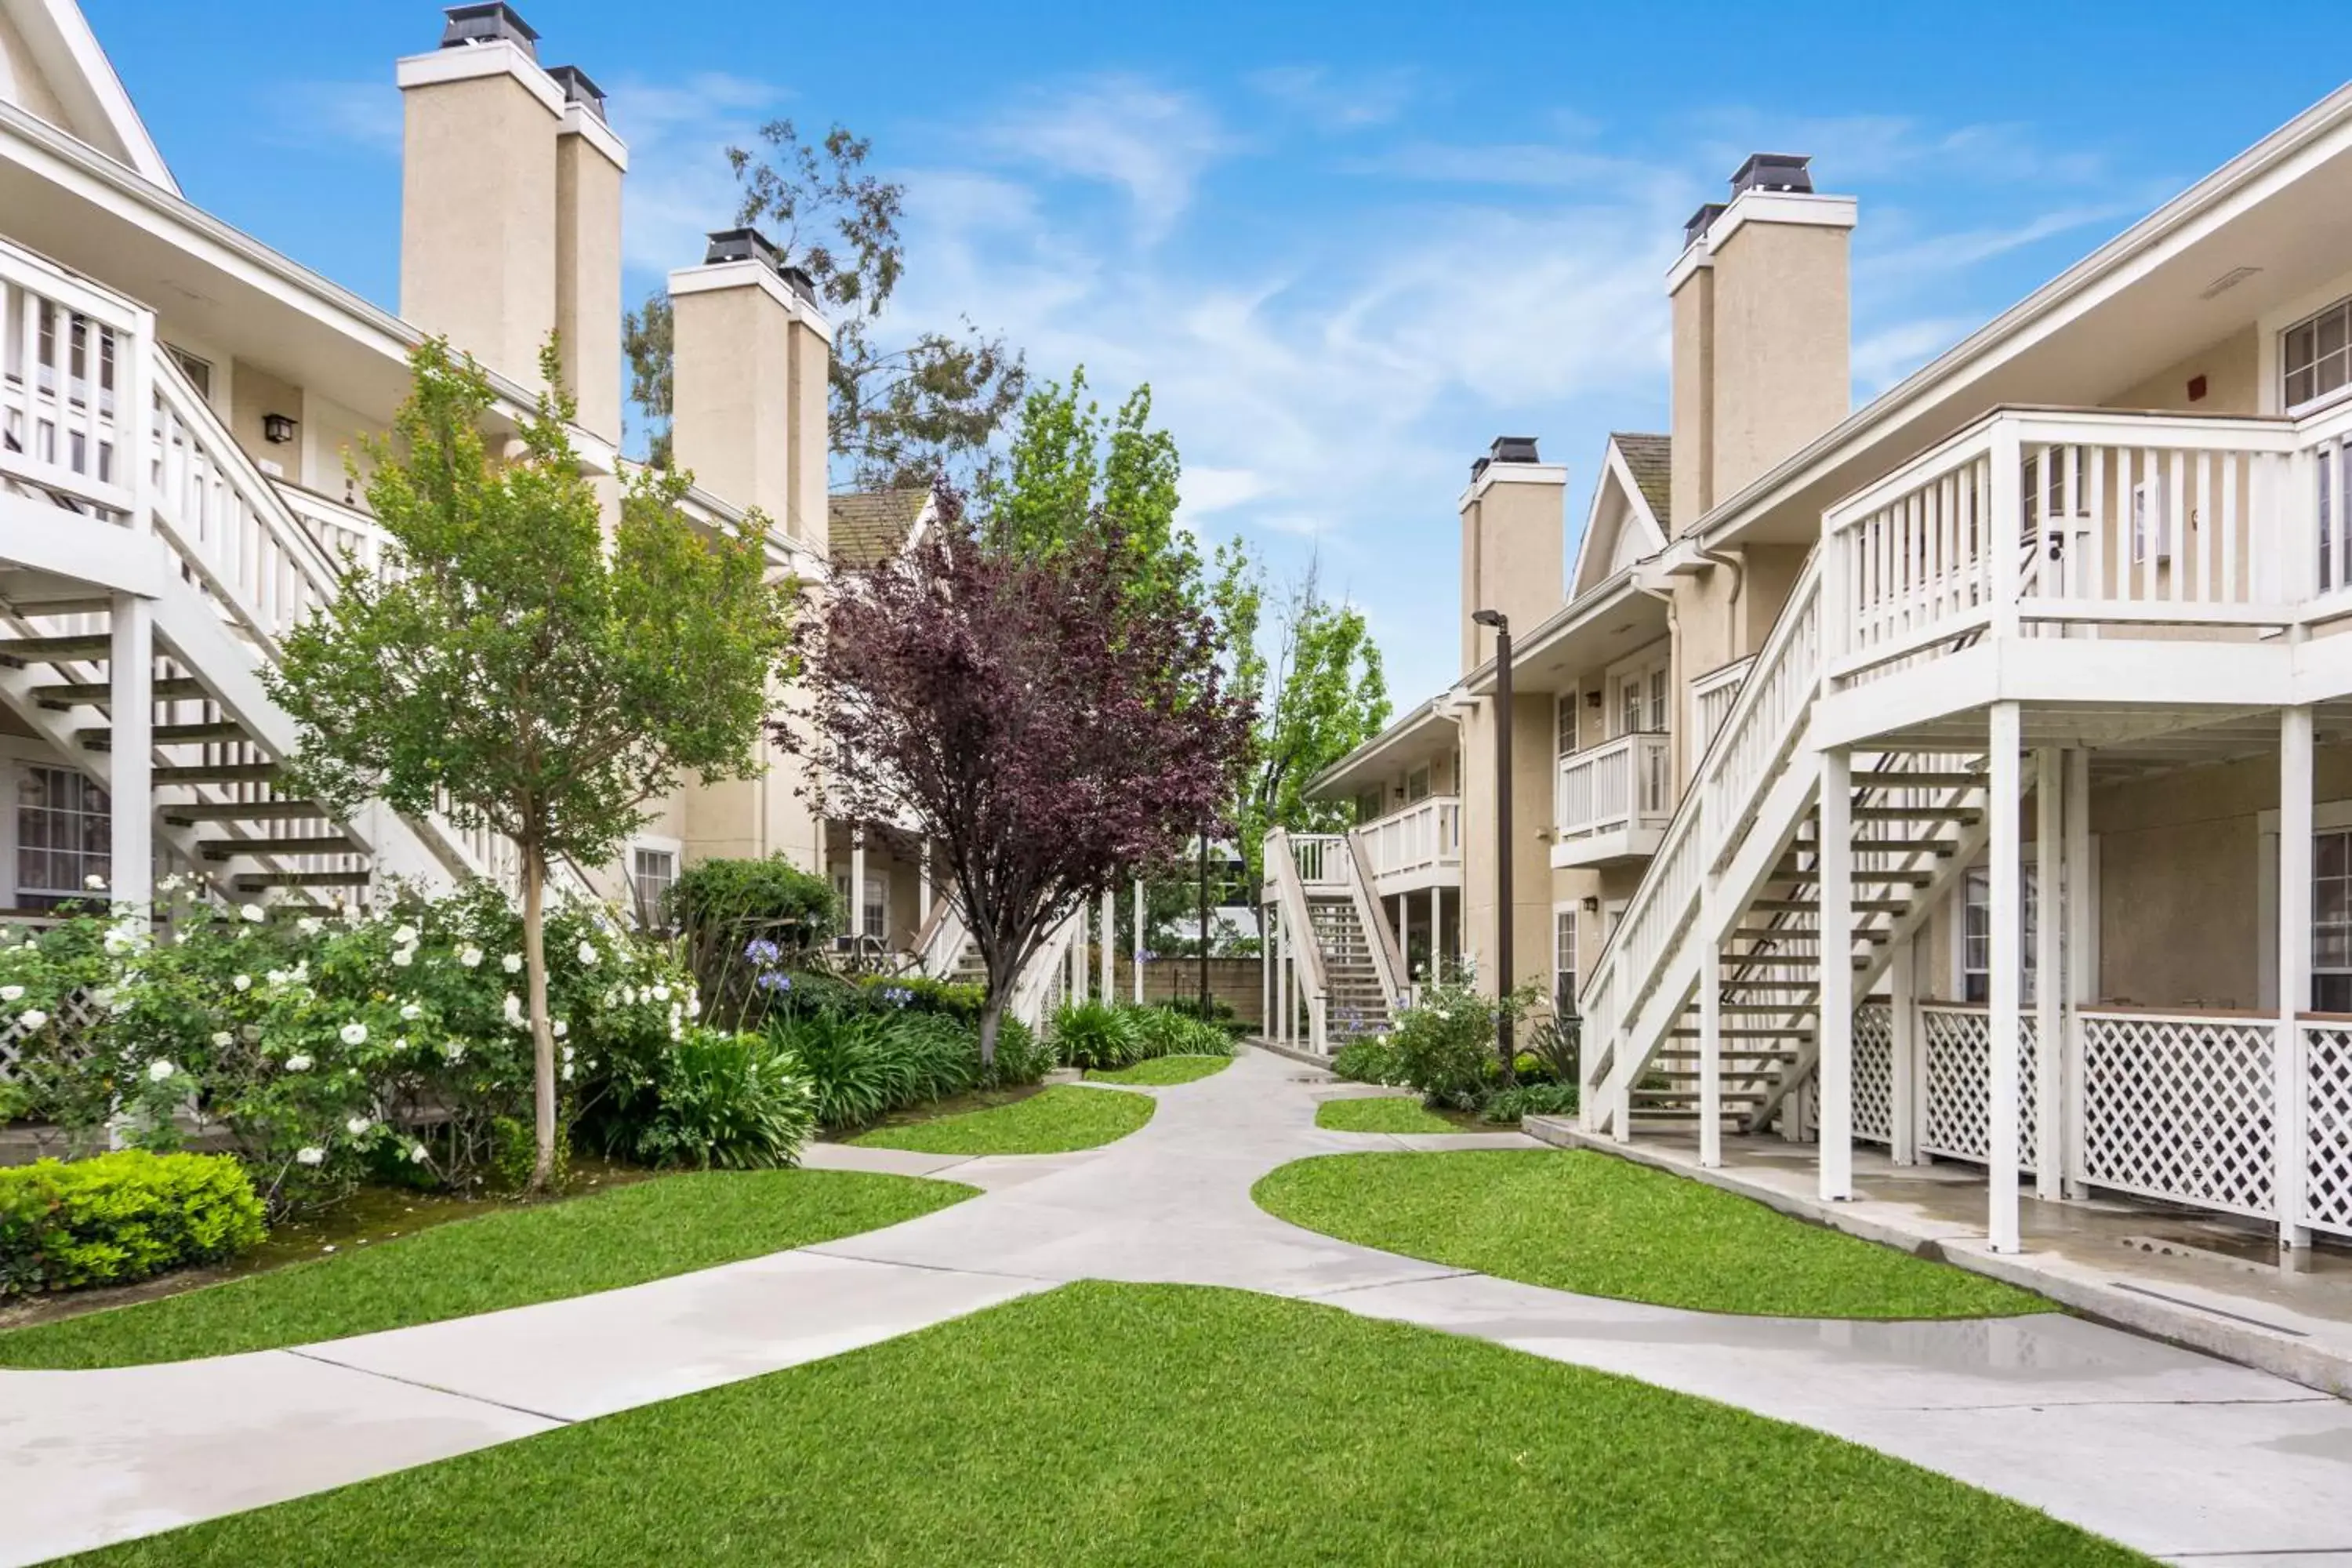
[1042, 973]
[1395, 984]
[938, 947]
[1298, 928]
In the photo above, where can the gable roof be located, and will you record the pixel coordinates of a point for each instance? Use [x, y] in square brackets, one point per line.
[868, 527]
[1650, 459]
[78, 75]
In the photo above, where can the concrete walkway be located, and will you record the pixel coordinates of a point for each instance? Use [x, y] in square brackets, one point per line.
[2177, 1453]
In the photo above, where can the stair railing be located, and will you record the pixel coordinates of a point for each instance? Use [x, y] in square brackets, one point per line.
[1387, 962]
[938, 947]
[1302, 949]
[1039, 982]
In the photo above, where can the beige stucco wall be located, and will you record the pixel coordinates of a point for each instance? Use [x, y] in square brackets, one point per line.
[732, 424]
[1691, 488]
[21, 82]
[1512, 540]
[588, 280]
[254, 393]
[812, 369]
[1783, 316]
[478, 219]
[1532, 811]
[2232, 372]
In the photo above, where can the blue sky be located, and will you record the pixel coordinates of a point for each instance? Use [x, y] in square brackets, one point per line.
[1346, 248]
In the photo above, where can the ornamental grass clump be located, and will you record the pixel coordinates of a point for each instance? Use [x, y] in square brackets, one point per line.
[1096, 1035]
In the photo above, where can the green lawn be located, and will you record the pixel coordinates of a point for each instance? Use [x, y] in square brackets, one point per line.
[1103, 1424]
[1381, 1113]
[1160, 1072]
[1581, 1221]
[1052, 1121]
[668, 1226]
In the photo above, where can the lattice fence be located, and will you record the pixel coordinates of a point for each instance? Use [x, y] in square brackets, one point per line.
[1958, 1042]
[77, 1015]
[2328, 1127]
[2180, 1109]
[1874, 1072]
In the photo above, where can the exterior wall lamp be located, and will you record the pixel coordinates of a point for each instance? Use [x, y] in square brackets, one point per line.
[277, 429]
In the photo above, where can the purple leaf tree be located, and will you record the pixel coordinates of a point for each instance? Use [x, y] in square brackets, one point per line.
[1048, 727]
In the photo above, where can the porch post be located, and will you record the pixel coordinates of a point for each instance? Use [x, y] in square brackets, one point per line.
[857, 889]
[2294, 971]
[1835, 1123]
[2082, 973]
[923, 882]
[1109, 945]
[2006, 958]
[130, 672]
[1436, 933]
[1711, 1038]
[1903, 1048]
[1137, 958]
[2050, 810]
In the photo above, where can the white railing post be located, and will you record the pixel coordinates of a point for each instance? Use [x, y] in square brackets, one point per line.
[2082, 979]
[1835, 1154]
[1711, 1038]
[2294, 971]
[2050, 811]
[1903, 1048]
[130, 670]
[2008, 524]
[2006, 1022]
[1138, 949]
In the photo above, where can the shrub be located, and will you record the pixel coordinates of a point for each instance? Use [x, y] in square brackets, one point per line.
[1021, 1057]
[738, 917]
[863, 1066]
[921, 993]
[120, 1217]
[1526, 1099]
[1165, 1032]
[728, 1102]
[1445, 1045]
[1096, 1035]
[1557, 1042]
[1371, 1059]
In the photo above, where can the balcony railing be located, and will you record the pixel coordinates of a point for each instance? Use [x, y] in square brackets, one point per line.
[1627, 783]
[2046, 522]
[1415, 846]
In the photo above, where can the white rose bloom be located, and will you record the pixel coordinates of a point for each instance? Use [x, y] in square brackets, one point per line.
[297, 1064]
[561, 1028]
[251, 915]
[310, 1156]
[567, 1053]
[411, 1012]
[32, 1017]
[403, 956]
[567, 1072]
[159, 1069]
[628, 996]
[93, 883]
[588, 954]
[416, 1154]
[243, 982]
[354, 1034]
[222, 1037]
[308, 925]
[357, 1126]
[11, 993]
[511, 962]
[470, 957]
[454, 1050]
[661, 993]
[404, 937]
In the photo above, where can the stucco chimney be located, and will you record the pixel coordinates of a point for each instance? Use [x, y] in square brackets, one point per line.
[751, 358]
[478, 221]
[1763, 298]
[590, 162]
[1513, 540]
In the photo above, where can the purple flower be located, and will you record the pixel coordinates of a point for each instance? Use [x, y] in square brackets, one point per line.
[762, 951]
[774, 980]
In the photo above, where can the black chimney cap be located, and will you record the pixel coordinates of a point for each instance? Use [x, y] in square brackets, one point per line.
[1695, 227]
[1478, 467]
[578, 88]
[743, 245]
[486, 22]
[1514, 449]
[801, 282]
[1773, 172]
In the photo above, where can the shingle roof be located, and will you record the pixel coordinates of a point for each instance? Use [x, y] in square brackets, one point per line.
[870, 526]
[1651, 458]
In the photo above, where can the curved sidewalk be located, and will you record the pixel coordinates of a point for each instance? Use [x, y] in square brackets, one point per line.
[2173, 1452]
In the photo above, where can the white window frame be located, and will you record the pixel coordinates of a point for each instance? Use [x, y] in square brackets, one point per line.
[1563, 914]
[85, 863]
[1647, 678]
[865, 907]
[1963, 903]
[650, 911]
[2340, 307]
[2326, 816]
[1564, 722]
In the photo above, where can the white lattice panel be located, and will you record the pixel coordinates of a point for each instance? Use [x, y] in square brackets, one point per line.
[2328, 1127]
[76, 1013]
[1873, 1073]
[2180, 1109]
[1958, 1042]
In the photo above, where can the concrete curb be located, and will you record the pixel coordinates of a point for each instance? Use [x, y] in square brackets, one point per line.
[2278, 1351]
[1295, 1053]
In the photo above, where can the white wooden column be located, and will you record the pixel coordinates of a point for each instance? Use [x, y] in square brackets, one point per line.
[1710, 1037]
[1903, 1047]
[1438, 941]
[1109, 945]
[2082, 969]
[1137, 953]
[1834, 1152]
[1076, 957]
[130, 780]
[2294, 971]
[923, 882]
[857, 890]
[2049, 809]
[2006, 959]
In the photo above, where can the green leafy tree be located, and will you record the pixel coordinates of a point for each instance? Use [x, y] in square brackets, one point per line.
[518, 670]
[898, 415]
[1324, 694]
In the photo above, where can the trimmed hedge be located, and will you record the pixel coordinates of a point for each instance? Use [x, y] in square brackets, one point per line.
[120, 1217]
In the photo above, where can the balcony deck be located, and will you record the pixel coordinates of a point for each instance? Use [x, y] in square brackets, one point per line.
[1611, 801]
[1414, 847]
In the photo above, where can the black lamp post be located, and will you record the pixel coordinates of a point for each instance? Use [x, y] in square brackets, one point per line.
[1503, 1045]
[1204, 925]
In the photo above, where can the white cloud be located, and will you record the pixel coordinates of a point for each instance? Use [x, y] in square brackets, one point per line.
[681, 187]
[1883, 357]
[1154, 143]
[365, 114]
[1331, 102]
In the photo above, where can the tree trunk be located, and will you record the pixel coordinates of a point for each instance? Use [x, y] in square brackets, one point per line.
[991, 1012]
[542, 1035]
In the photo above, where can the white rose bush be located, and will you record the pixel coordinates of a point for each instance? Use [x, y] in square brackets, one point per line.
[377, 1046]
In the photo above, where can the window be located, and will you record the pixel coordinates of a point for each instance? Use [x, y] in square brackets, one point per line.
[1657, 724]
[1416, 785]
[1367, 807]
[198, 371]
[873, 913]
[2316, 355]
[2331, 921]
[1563, 720]
[1563, 960]
[1976, 936]
[64, 836]
[651, 872]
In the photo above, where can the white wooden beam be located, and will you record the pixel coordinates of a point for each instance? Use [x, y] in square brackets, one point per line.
[130, 674]
[2294, 971]
[1710, 1043]
[2006, 959]
[1835, 1073]
[2050, 808]
[1903, 1047]
[2082, 960]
